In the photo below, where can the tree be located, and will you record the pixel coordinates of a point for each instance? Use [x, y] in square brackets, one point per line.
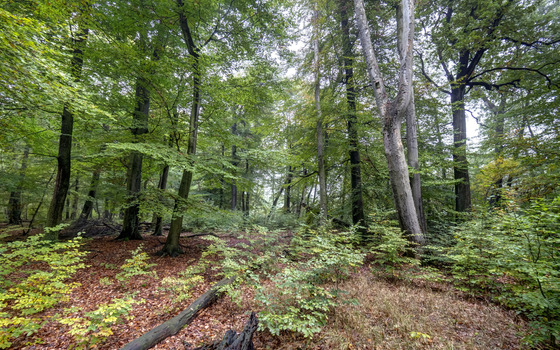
[356, 200]
[62, 182]
[393, 112]
[319, 128]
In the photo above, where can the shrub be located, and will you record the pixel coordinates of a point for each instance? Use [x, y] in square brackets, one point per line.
[33, 278]
[95, 326]
[515, 253]
[297, 300]
[137, 265]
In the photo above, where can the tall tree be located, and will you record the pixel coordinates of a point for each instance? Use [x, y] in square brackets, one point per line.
[392, 113]
[320, 121]
[171, 246]
[356, 200]
[62, 182]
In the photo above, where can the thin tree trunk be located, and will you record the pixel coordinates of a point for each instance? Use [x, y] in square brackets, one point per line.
[287, 192]
[171, 246]
[235, 163]
[319, 129]
[393, 112]
[162, 186]
[14, 203]
[87, 209]
[62, 182]
[75, 199]
[356, 199]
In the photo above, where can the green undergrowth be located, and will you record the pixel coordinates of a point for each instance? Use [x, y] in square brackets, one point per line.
[35, 276]
[295, 280]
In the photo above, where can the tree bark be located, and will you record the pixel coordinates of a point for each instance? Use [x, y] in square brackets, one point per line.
[319, 128]
[174, 325]
[392, 113]
[62, 182]
[14, 203]
[234, 341]
[356, 200]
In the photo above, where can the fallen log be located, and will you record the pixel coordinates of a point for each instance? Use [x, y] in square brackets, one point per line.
[174, 325]
[234, 341]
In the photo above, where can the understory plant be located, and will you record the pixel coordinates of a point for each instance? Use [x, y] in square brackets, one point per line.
[34, 277]
[137, 265]
[514, 254]
[300, 296]
[388, 244]
[94, 327]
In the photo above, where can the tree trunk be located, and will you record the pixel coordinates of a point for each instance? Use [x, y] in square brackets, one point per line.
[356, 199]
[162, 185]
[287, 192]
[400, 181]
[62, 182]
[460, 163]
[171, 246]
[91, 196]
[319, 129]
[130, 229]
[74, 206]
[235, 163]
[393, 112]
[14, 203]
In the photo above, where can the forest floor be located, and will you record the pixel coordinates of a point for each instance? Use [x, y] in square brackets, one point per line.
[386, 314]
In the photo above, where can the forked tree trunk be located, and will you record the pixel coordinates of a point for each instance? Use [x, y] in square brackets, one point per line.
[393, 112]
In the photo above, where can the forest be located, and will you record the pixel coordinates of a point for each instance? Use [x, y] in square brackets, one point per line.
[279, 174]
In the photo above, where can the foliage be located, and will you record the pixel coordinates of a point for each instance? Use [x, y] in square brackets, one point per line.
[95, 326]
[388, 243]
[34, 276]
[137, 265]
[297, 299]
[515, 252]
[181, 286]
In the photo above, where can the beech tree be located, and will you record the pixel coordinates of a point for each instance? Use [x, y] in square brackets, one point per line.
[393, 111]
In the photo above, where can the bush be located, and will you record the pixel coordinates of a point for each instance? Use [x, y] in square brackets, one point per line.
[33, 278]
[514, 255]
[297, 300]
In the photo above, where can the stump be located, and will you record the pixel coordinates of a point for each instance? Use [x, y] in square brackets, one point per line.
[236, 341]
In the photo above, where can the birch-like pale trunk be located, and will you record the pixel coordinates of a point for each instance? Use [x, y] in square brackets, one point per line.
[411, 134]
[320, 132]
[393, 113]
